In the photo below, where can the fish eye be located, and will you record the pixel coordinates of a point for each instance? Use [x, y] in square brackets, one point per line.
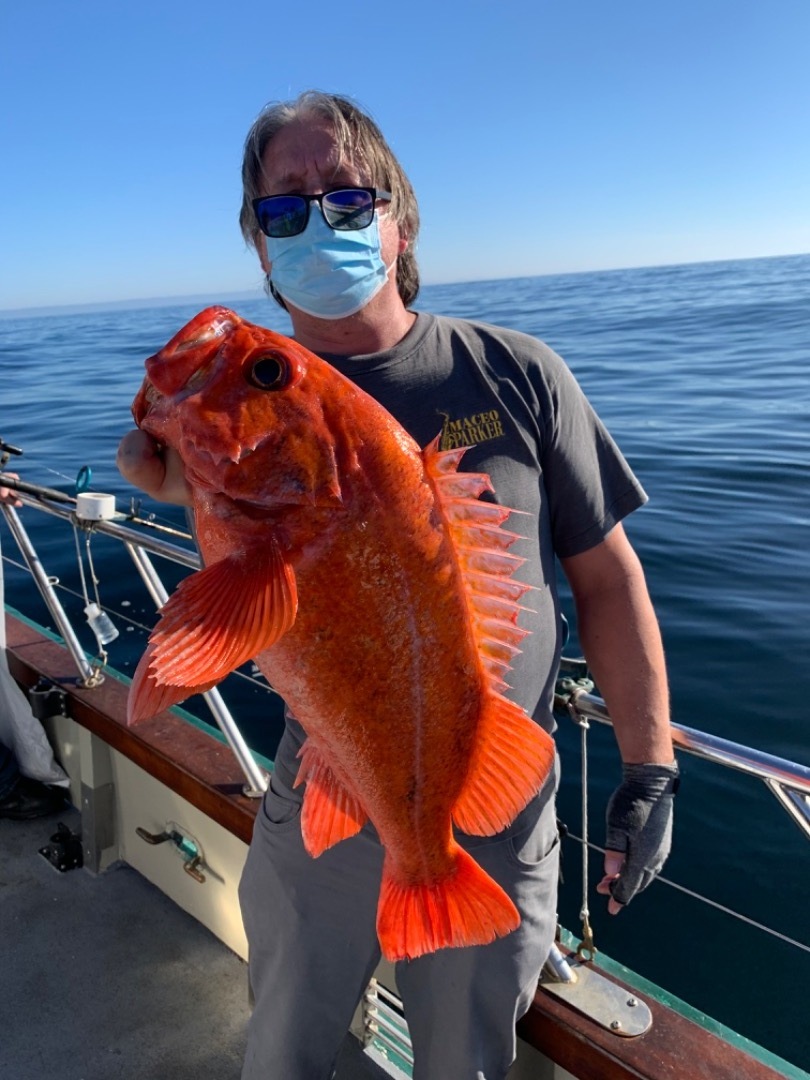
[269, 373]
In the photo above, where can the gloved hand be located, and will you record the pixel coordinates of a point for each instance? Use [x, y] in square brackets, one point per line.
[639, 831]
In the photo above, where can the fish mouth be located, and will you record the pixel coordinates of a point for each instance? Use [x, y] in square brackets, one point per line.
[203, 462]
[261, 504]
[147, 398]
[220, 457]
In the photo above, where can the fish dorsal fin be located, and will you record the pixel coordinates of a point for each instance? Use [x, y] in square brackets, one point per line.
[331, 812]
[482, 549]
[513, 755]
[216, 620]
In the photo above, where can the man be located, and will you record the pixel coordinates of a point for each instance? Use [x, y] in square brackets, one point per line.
[334, 221]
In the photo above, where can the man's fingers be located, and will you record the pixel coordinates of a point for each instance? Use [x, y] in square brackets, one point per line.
[639, 823]
[9, 495]
[154, 469]
[614, 861]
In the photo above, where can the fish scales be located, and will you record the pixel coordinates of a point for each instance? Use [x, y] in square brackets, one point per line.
[374, 590]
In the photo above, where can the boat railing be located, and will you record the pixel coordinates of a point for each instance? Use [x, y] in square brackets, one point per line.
[788, 781]
[141, 544]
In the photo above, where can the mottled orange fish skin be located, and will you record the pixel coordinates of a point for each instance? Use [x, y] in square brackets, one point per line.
[411, 692]
[380, 665]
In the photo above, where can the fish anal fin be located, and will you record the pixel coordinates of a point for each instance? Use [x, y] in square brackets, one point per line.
[223, 615]
[511, 759]
[464, 908]
[330, 812]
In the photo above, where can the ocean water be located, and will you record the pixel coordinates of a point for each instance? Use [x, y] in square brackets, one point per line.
[702, 374]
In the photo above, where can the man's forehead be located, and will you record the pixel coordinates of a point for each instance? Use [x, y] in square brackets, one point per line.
[308, 148]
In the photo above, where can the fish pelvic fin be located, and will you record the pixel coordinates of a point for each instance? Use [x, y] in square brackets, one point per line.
[222, 616]
[330, 812]
[465, 908]
[510, 762]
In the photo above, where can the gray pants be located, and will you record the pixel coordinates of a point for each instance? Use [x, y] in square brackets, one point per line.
[310, 926]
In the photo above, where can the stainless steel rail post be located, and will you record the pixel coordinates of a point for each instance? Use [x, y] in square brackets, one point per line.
[787, 780]
[256, 777]
[62, 506]
[91, 676]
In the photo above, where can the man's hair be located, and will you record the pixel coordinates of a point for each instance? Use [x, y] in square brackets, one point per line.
[360, 141]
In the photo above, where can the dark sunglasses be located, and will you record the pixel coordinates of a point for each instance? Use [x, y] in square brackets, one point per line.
[342, 208]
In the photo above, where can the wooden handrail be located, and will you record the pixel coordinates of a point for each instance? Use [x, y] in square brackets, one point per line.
[187, 759]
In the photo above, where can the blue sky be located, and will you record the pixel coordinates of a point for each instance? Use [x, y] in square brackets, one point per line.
[541, 137]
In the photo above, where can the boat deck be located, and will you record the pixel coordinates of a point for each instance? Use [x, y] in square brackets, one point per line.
[105, 976]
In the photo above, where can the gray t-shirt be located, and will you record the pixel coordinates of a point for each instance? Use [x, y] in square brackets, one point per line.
[517, 406]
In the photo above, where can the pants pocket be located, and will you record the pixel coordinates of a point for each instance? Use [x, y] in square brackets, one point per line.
[279, 808]
[529, 848]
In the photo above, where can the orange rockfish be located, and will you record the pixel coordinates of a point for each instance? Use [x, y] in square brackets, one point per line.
[373, 588]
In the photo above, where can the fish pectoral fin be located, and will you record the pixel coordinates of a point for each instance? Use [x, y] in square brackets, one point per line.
[465, 908]
[510, 762]
[331, 812]
[222, 616]
[147, 697]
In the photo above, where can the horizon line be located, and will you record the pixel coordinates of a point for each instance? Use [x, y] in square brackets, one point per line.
[135, 302]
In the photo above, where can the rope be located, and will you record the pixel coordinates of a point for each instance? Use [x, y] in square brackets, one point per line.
[80, 563]
[101, 653]
[93, 576]
[586, 948]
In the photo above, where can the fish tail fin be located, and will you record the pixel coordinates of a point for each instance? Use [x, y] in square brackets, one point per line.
[467, 907]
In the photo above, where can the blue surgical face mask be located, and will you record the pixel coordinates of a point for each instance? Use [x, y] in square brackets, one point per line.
[330, 273]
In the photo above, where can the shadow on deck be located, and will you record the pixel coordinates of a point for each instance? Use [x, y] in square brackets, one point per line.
[106, 977]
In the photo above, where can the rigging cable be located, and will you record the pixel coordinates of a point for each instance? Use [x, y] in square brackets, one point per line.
[712, 903]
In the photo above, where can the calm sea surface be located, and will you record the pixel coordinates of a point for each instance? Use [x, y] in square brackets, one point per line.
[702, 374]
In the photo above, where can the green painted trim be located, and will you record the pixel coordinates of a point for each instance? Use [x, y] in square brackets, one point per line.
[644, 986]
[190, 718]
